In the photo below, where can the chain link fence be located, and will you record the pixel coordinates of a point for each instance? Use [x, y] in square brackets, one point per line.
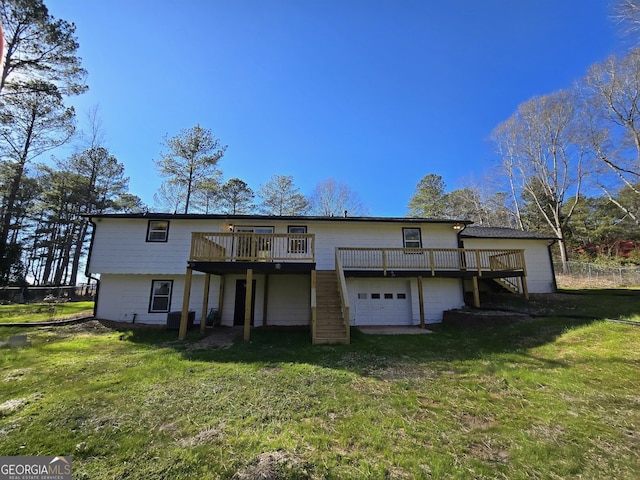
[599, 276]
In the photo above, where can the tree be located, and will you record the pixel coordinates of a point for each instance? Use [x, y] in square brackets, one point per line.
[39, 50]
[611, 126]
[236, 197]
[205, 199]
[627, 14]
[191, 158]
[280, 197]
[169, 197]
[104, 185]
[546, 158]
[428, 201]
[470, 203]
[30, 124]
[40, 67]
[332, 198]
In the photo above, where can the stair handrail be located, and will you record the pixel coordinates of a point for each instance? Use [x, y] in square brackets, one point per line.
[344, 297]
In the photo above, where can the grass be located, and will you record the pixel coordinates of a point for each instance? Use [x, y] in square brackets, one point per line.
[554, 397]
[42, 312]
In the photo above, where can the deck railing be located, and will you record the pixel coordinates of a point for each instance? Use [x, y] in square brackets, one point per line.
[252, 247]
[432, 259]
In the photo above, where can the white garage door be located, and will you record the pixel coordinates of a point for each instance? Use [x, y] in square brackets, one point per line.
[383, 302]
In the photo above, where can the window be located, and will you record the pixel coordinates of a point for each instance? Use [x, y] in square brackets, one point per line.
[375, 295]
[157, 231]
[388, 296]
[160, 300]
[412, 238]
[297, 245]
[362, 296]
[251, 247]
[402, 296]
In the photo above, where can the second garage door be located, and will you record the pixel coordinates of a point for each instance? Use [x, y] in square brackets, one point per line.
[383, 302]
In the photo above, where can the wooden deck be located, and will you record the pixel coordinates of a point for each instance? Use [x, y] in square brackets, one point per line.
[252, 247]
[451, 261]
[233, 252]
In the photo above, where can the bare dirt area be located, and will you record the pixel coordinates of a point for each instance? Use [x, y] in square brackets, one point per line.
[539, 304]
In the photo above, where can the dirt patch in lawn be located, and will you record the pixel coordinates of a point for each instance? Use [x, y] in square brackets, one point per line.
[269, 466]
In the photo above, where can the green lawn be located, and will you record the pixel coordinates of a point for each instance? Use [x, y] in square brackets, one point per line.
[551, 398]
[42, 312]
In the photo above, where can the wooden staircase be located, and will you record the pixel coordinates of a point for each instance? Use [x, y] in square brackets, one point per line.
[330, 327]
[510, 284]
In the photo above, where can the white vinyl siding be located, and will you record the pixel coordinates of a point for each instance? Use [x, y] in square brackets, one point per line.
[123, 297]
[540, 277]
[289, 301]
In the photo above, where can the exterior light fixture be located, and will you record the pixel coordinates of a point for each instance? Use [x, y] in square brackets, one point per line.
[458, 226]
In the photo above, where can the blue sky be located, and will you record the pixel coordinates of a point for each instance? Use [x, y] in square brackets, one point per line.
[373, 93]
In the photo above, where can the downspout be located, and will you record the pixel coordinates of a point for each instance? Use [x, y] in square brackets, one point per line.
[463, 256]
[553, 270]
[87, 273]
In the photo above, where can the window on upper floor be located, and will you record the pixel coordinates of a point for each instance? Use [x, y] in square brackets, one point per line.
[412, 238]
[157, 231]
[297, 245]
[160, 298]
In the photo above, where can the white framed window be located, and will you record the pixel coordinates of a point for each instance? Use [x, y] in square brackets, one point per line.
[297, 245]
[160, 298]
[250, 247]
[412, 238]
[157, 231]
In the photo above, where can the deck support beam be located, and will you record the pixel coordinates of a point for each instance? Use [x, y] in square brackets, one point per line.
[421, 301]
[185, 305]
[314, 313]
[525, 291]
[220, 297]
[205, 302]
[476, 292]
[247, 305]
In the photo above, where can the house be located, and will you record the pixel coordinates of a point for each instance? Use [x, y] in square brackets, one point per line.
[540, 275]
[329, 273]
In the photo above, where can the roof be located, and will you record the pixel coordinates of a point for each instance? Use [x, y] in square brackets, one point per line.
[291, 218]
[506, 233]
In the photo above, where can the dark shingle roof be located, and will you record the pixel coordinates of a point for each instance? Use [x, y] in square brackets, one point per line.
[297, 218]
[498, 232]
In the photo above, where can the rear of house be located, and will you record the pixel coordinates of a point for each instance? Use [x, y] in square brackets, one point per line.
[323, 272]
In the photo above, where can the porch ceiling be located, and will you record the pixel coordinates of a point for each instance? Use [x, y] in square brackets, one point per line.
[222, 268]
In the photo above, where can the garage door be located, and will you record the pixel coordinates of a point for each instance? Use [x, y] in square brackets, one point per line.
[383, 302]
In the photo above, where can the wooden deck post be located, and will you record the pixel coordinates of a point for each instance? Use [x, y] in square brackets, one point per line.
[205, 302]
[314, 312]
[265, 302]
[184, 317]
[247, 305]
[421, 301]
[220, 297]
[525, 291]
[476, 292]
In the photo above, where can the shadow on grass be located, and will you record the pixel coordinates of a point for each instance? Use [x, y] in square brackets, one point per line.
[272, 345]
[556, 314]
